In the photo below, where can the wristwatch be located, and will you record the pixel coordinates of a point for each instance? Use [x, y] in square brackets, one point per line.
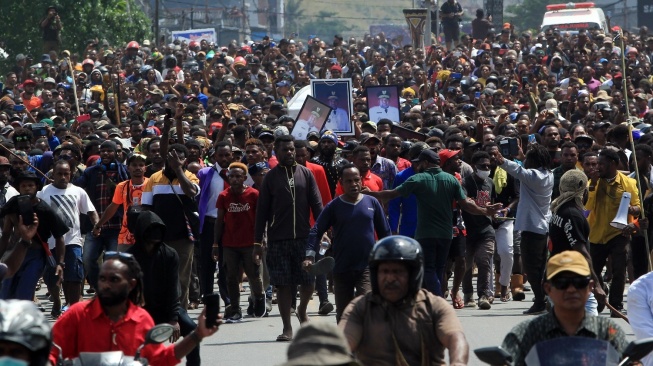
[62, 264]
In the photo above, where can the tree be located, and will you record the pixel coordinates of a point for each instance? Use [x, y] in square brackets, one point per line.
[324, 25]
[529, 14]
[292, 15]
[117, 21]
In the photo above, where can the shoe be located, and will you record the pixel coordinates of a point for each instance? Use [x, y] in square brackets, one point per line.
[250, 308]
[91, 290]
[484, 303]
[469, 301]
[618, 316]
[536, 309]
[325, 308]
[260, 307]
[268, 306]
[236, 316]
[517, 287]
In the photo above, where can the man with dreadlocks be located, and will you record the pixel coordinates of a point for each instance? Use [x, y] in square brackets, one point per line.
[114, 320]
[569, 229]
[536, 186]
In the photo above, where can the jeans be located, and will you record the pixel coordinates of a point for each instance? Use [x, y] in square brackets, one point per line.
[186, 326]
[534, 252]
[479, 251]
[436, 252]
[344, 286]
[22, 285]
[184, 248]
[93, 248]
[503, 235]
[616, 248]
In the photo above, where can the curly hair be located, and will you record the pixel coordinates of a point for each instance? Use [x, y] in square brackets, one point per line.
[539, 156]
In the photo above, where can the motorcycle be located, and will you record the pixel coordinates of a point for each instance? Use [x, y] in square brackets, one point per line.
[157, 335]
[570, 351]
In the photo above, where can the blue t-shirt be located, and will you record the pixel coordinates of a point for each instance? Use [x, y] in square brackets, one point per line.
[354, 225]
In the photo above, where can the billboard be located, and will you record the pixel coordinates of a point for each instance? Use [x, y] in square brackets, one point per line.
[208, 34]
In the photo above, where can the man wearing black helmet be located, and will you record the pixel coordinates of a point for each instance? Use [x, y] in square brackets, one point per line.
[398, 311]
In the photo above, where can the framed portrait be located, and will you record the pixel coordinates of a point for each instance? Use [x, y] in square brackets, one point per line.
[311, 118]
[336, 93]
[383, 102]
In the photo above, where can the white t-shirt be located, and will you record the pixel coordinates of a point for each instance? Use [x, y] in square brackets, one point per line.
[217, 186]
[9, 193]
[68, 203]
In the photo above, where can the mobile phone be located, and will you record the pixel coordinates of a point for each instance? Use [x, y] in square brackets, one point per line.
[212, 304]
[429, 102]
[39, 129]
[524, 80]
[477, 95]
[25, 209]
[415, 101]
[513, 89]
[532, 139]
[247, 112]
[456, 75]
[509, 147]
[19, 108]
[83, 118]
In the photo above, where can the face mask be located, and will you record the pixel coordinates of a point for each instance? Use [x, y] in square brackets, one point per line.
[483, 174]
[9, 361]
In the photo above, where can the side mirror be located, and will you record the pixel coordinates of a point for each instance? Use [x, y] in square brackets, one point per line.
[495, 356]
[159, 334]
[637, 350]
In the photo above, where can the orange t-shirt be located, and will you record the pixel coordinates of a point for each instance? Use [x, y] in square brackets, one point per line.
[33, 102]
[127, 195]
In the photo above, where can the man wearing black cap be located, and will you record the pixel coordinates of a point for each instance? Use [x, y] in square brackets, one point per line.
[434, 217]
[100, 182]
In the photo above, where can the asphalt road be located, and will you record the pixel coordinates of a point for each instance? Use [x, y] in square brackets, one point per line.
[253, 341]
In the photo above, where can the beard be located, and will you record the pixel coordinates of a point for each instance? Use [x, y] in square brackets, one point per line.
[113, 299]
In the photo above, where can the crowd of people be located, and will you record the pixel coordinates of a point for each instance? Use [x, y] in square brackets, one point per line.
[147, 164]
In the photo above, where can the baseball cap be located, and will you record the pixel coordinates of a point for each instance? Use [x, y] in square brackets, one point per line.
[446, 154]
[328, 134]
[427, 155]
[319, 343]
[283, 83]
[567, 261]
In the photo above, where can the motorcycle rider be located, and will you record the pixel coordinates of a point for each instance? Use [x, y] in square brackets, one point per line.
[115, 321]
[25, 338]
[398, 311]
[568, 285]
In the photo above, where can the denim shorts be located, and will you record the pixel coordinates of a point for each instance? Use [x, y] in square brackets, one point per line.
[74, 271]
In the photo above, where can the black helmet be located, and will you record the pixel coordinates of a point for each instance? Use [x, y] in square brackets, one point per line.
[401, 249]
[23, 323]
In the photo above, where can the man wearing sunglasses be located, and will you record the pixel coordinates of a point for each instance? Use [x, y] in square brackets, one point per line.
[568, 285]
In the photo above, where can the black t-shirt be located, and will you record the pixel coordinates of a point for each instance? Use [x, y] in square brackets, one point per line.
[50, 223]
[449, 8]
[568, 228]
[479, 226]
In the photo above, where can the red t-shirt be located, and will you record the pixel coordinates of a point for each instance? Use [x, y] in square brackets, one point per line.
[239, 217]
[371, 181]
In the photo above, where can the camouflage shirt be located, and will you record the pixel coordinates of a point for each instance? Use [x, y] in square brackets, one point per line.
[526, 334]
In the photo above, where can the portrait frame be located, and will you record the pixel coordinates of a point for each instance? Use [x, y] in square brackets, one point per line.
[310, 106]
[373, 101]
[325, 90]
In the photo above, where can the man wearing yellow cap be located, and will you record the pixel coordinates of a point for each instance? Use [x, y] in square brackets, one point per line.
[568, 285]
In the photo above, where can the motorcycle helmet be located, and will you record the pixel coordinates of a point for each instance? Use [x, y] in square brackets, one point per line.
[193, 45]
[144, 70]
[133, 44]
[398, 248]
[21, 322]
[88, 61]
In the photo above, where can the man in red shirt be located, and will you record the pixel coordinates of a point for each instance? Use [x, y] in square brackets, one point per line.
[392, 147]
[114, 321]
[234, 231]
[362, 158]
[30, 100]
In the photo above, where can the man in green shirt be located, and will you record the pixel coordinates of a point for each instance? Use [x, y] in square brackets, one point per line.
[435, 191]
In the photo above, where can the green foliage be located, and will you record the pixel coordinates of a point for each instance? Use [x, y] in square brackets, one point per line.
[293, 14]
[529, 13]
[324, 25]
[82, 20]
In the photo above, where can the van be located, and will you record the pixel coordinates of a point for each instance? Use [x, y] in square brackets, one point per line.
[573, 17]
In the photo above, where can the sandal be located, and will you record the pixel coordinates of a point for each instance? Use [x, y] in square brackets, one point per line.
[507, 297]
[284, 338]
[458, 303]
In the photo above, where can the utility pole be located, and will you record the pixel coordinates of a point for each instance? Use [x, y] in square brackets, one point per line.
[192, 11]
[156, 23]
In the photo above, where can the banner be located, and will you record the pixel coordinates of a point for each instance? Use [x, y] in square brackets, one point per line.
[645, 13]
[416, 19]
[208, 34]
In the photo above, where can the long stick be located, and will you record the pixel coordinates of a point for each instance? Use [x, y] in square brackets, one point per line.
[632, 147]
[28, 163]
[72, 76]
[617, 312]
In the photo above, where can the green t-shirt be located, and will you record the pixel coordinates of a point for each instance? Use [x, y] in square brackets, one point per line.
[435, 192]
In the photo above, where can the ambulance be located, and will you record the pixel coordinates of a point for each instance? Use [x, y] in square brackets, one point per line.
[572, 17]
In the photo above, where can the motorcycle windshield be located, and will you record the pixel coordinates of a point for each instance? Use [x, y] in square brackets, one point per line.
[578, 351]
